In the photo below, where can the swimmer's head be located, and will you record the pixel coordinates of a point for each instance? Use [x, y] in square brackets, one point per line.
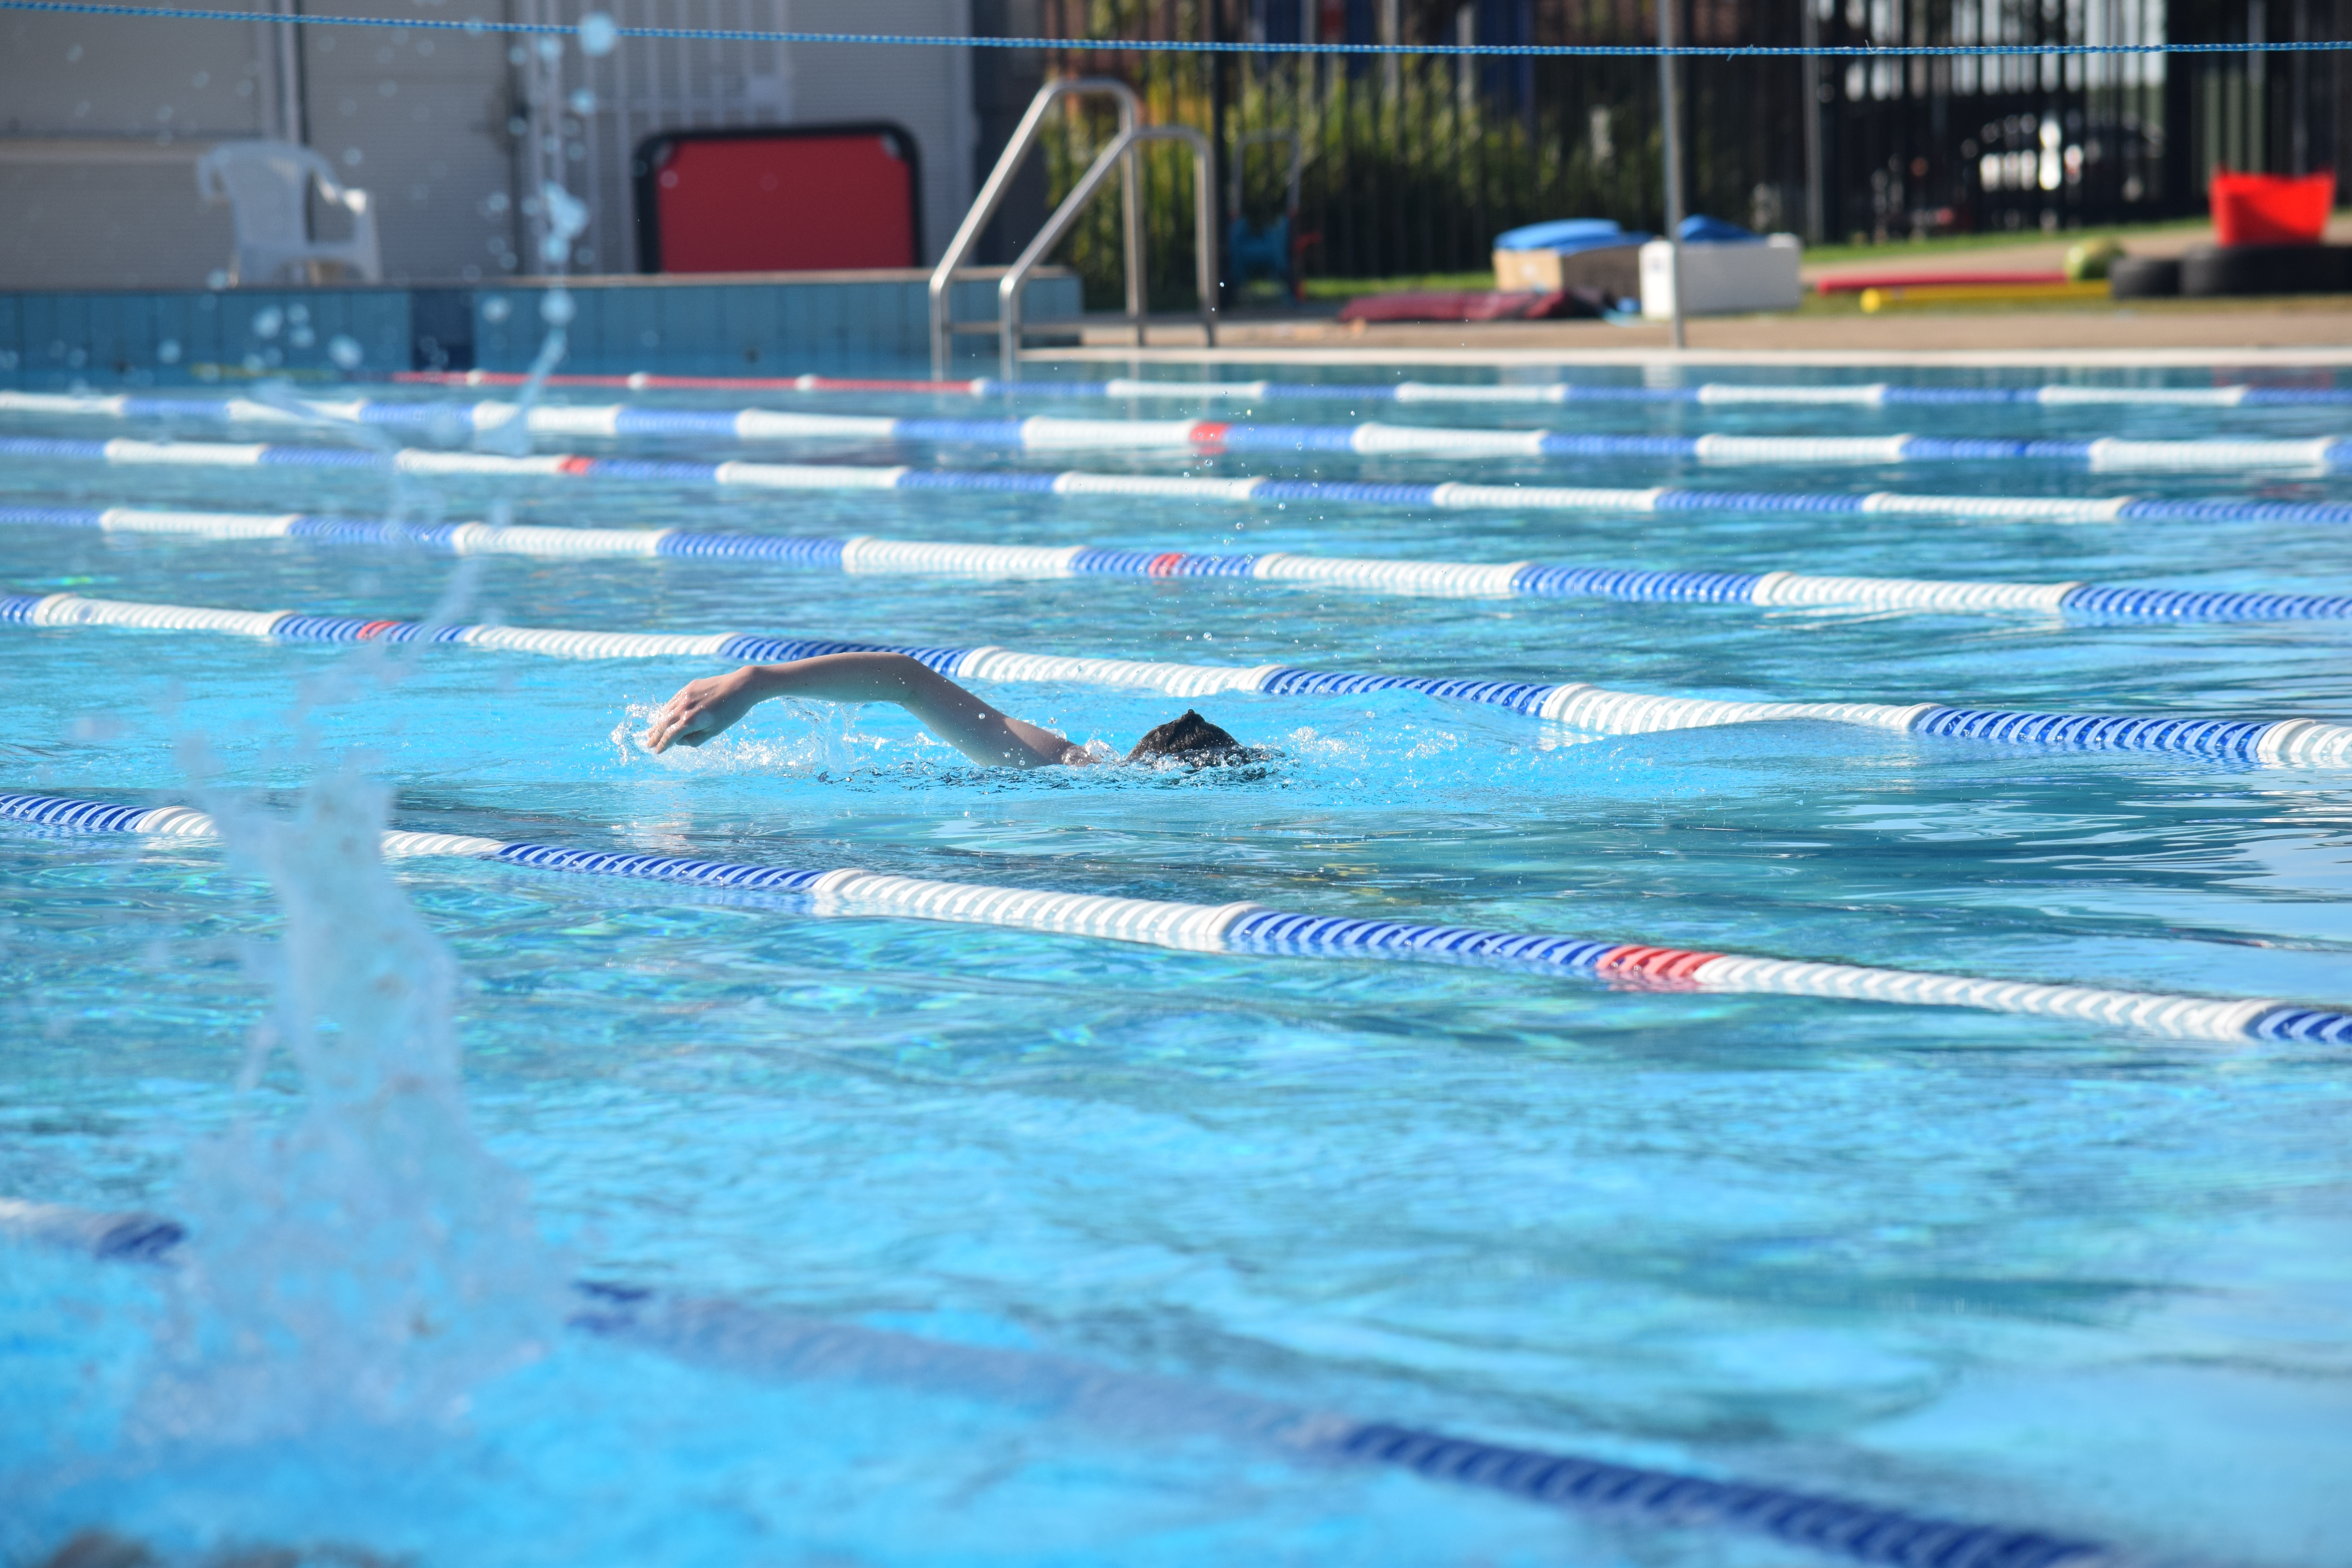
[1189, 739]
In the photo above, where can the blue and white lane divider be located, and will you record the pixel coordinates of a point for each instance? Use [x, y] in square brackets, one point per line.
[1253, 493]
[2276, 743]
[861, 555]
[1738, 394]
[1203, 438]
[748, 1339]
[1251, 928]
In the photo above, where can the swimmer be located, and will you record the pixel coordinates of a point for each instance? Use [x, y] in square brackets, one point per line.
[704, 707]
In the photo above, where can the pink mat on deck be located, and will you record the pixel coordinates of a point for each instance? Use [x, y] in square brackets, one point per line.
[1465, 305]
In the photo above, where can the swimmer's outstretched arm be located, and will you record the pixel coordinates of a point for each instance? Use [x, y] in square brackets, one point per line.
[704, 707]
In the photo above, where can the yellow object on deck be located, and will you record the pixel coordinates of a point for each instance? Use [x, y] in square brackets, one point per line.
[1876, 299]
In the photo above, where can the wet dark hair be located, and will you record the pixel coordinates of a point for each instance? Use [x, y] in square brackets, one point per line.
[1189, 738]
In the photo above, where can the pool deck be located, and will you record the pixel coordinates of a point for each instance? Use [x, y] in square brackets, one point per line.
[2311, 330]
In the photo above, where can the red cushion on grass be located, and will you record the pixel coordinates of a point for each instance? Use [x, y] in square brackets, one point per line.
[2270, 209]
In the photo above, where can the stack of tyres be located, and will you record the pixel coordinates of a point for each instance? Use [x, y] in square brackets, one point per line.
[2144, 278]
[2217, 271]
[2213, 271]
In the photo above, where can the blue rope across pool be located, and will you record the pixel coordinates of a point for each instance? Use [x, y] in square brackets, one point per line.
[1211, 437]
[861, 555]
[2293, 742]
[761, 1341]
[1450, 495]
[1248, 928]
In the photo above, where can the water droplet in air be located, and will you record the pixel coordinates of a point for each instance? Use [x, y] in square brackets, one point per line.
[168, 351]
[344, 350]
[597, 34]
[557, 309]
[267, 321]
[496, 309]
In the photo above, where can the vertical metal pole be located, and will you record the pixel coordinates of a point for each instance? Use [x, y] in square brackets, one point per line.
[1670, 138]
[2299, 96]
[1816, 192]
[1213, 24]
[1392, 34]
[286, 48]
[1130, 209]
[1204, 238]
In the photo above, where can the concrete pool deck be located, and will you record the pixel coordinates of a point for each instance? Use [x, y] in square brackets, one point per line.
[2313, 331]
[2308, 330]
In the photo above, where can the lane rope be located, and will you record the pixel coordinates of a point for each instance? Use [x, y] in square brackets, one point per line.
[2274, 743]
[861, 555]
[1248, 928]
[1208, 438]
[1448, 496]
[764, 1341]
[1872, 395]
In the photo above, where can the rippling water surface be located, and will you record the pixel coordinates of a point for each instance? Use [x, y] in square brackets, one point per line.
[1999, 1267]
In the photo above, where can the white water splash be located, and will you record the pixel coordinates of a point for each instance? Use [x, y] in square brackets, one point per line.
[368, 1261]
[789, 736]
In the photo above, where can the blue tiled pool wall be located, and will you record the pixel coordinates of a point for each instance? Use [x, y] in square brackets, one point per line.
[172, 336]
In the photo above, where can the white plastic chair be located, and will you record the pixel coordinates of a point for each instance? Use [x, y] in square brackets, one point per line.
[264, 183]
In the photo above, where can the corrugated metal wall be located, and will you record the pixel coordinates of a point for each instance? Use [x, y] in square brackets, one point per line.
[418, 120]
[102, 120]
[645, 87]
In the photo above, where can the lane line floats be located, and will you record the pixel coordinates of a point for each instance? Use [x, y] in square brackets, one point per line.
[1248, 928]
[1448, 496]
[1210, 436]
[1718, 393]
[861, 555]
[756, 1341]
[2277, 742]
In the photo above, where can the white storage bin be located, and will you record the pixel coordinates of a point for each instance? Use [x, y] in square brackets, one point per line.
[1722, 280]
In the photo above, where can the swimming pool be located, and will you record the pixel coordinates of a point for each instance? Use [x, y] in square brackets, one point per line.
[2002, 1269]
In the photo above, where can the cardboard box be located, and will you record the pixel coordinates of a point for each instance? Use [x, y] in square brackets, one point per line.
[1614, 269]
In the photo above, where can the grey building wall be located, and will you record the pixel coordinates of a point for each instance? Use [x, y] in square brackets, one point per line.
[101, 121]
[419, 120]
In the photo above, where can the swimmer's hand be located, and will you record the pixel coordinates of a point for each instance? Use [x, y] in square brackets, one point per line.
[705, 708]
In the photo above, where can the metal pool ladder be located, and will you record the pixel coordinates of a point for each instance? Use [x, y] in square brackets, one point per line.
[1119, 153]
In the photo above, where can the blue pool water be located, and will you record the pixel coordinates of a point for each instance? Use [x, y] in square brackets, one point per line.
[1990, 1268]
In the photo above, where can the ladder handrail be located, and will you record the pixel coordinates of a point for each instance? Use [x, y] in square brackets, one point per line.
[1121, 149]
[991, 196]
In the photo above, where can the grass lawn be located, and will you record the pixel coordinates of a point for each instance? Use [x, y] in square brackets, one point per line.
[1893, 252]
[1955, 244]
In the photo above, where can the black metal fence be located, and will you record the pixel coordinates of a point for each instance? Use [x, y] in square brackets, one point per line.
[1415, 163]
[1925, 146]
